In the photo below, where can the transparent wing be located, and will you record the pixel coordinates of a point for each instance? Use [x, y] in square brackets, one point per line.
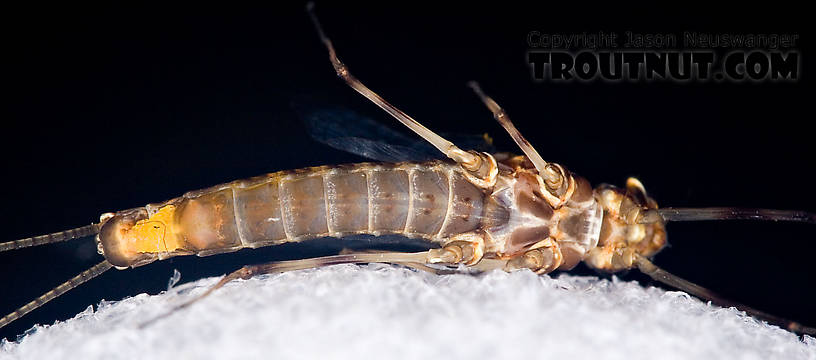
[346, 130]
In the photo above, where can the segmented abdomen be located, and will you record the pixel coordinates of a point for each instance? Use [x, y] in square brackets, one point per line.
[431, 200]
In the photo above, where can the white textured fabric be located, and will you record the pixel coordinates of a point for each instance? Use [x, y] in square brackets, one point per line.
[388, 312]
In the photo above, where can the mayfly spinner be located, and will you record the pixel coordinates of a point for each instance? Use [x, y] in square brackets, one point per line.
[485, 211]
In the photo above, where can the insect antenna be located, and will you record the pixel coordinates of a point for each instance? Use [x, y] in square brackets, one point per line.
[727, 213]
[75, 281]
[70, 234]
[663, 276]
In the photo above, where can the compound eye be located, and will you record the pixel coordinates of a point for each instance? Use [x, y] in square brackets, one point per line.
[635, 190]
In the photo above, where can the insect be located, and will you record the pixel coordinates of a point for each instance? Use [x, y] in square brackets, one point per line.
[537, 256]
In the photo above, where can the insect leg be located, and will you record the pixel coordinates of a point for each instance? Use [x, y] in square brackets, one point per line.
[555, 176]
[249, 271]
[648, 268]
[413, 265]
[542, 260]
[481, 164]
[467, 248]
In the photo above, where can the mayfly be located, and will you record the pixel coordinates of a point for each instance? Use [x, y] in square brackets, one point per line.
[485, 211]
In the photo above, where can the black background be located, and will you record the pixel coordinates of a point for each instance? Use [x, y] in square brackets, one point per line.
[113, 108]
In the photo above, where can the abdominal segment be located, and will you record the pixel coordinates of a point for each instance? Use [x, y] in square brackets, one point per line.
[428, 200]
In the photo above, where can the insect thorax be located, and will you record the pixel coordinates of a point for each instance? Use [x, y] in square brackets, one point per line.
[524, 220]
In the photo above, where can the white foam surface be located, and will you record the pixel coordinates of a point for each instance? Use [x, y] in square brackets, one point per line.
[388, 312]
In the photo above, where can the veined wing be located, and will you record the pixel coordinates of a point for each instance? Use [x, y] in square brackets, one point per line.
[346, 130]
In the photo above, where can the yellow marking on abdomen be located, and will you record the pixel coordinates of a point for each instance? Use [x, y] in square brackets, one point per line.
[155, 234]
